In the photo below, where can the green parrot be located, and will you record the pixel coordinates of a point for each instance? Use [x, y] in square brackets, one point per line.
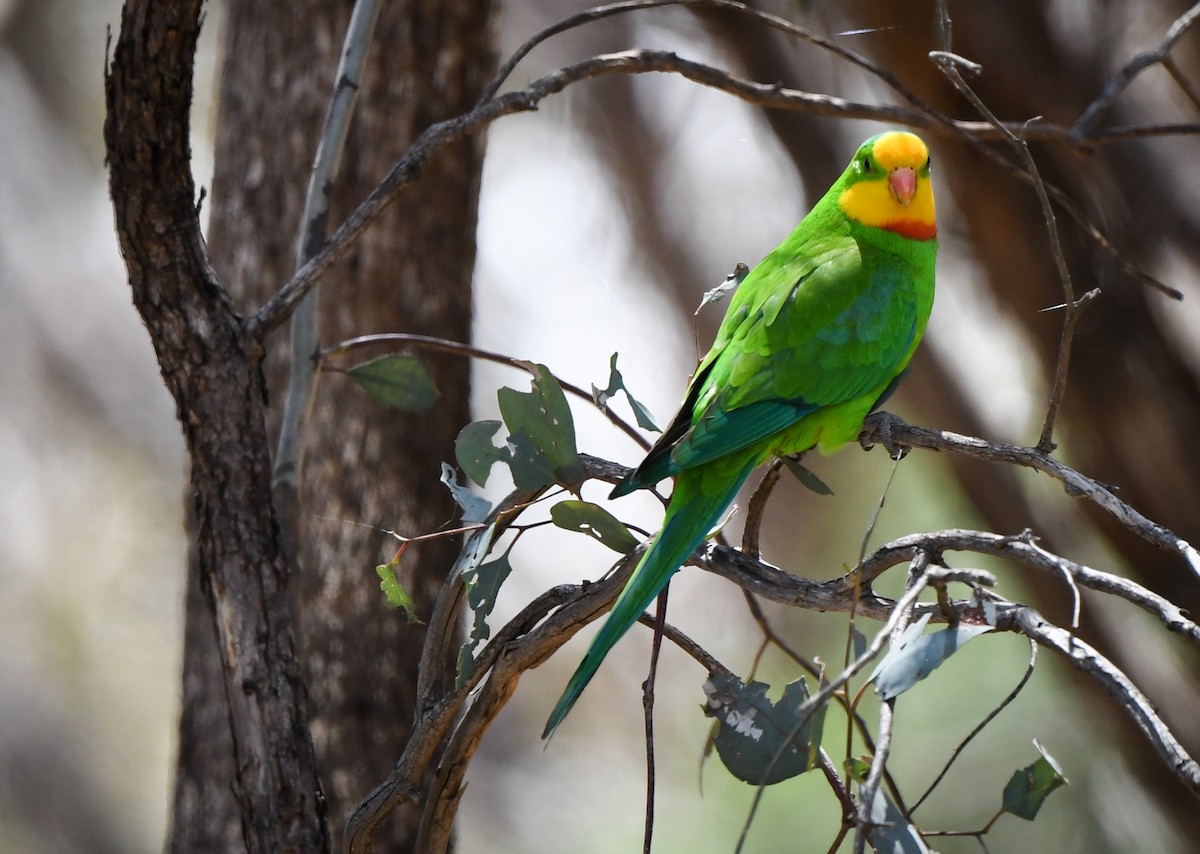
[816, 336]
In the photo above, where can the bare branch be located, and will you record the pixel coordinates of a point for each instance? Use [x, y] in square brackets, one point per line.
[886, 427]
[1113, 680]
[1160, 53]
[437, 136]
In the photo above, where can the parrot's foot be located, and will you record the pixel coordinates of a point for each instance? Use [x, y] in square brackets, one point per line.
[877, 429]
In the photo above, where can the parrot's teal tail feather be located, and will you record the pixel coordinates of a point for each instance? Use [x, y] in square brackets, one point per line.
[690, 516]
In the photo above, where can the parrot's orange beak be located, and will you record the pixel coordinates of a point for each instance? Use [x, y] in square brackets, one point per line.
[903, 183]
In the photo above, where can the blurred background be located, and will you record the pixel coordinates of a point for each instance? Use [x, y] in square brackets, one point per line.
[602, 219]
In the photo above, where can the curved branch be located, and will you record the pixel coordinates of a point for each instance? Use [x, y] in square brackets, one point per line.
[438, 135]
[1113, 680]
[891, 431]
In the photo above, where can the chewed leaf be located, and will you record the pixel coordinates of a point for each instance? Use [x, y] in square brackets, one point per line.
[616, 383]
[483, 586]
[1029, 787]
[474, 550]
[475, 452]
[541, 416]
[474, 507]
[760, 742]
[889, 831]
[596, 522]
[918, 654]
[397, 596]
[807, 479]
[740, 271]
[400, 381]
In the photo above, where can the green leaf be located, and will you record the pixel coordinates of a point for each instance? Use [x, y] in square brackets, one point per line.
[400, 381]
[616, 383]
[857, 768]
[755, 740]
[474, 507]
[475, 452]
[483, 586]
[890, 833]
[918, 654]
[1030, 786]
[397, 596]
[807, 479]
[540, 427]
[531, 468]
[596, 522]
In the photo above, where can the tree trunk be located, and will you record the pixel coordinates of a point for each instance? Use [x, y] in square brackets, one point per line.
[213, 370]
[366, 468]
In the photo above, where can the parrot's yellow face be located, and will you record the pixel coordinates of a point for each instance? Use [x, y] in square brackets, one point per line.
[887, 186]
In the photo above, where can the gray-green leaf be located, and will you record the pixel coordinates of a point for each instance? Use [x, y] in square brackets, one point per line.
[400, 381]
[616, 383]
[807, 479]
[542, 416]
[596, 522]
[755, 737]
[475, 508]
[918, 654]
[475, 451]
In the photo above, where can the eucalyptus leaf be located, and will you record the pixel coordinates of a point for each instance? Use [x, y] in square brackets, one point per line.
[543, 418]
[918, 654]
[616, 383]
[475, 451]
[483, 587]
[475, 508]
[755, 740]
[397, 596]
[1029, 787]
[596, 522]
[400, 381]
[890, 833]
[531, 468]
[807, 479]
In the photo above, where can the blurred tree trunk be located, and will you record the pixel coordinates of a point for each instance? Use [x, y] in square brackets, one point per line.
[366, 468]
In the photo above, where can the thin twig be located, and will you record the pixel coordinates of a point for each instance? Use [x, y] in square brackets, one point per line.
[305, 332]
[660, 620]
[757, 506]
[950, 66]
[870, 788]
[991, 716]
[1134, 67]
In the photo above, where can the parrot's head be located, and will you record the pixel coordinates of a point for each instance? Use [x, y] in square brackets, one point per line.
[887, 186]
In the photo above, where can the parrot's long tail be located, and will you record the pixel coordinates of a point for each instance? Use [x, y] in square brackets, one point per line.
[697, 505]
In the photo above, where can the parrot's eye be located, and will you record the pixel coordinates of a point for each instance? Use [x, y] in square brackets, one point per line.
[866, 165]
[929, 162]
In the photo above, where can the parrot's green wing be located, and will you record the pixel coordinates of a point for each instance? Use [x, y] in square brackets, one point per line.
[841, 331]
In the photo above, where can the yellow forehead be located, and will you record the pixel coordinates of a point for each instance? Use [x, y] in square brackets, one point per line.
[900, 148]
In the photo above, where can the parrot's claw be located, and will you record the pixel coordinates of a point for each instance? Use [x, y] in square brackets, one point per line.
[877, 428]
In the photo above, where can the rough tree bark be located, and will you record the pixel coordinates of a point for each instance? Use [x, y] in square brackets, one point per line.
[364, 466]
[214, 373]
